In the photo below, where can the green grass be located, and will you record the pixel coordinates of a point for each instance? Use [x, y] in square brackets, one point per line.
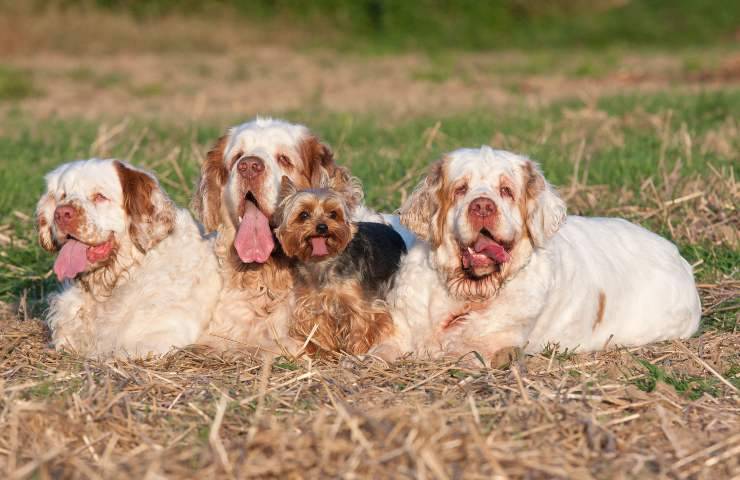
[691, 386]
[391, 25]
[16, 84]
[381, 154]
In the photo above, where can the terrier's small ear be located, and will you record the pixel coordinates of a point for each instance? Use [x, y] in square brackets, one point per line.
[348, 186]
[324, 180]
[287, 187]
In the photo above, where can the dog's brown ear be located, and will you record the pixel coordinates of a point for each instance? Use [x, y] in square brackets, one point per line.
[44, 218]
[150, 212]
[349, 186]
[546, 211]
[419, 210]
[45, 209]
[213, 175]
[315, 155]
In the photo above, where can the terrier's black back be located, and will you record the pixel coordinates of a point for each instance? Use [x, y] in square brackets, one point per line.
[373, 256]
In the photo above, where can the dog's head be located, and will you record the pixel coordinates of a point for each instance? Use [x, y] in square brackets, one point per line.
[314, 224]
[241, 177]
[92, 208]
[483, 210]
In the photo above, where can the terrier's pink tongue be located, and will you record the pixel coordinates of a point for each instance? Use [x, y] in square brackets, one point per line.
[318, 247]
[491, 249]
[72, 259]
[253, 240]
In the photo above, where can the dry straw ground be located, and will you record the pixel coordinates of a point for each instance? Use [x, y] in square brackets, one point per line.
[670, 410]
[566, 416]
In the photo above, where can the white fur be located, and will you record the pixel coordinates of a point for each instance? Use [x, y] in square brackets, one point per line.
[557, 276]
[255, 314]
[162, 299]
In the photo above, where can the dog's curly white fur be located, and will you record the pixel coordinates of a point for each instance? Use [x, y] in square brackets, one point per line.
[138, 276]
[502, 267]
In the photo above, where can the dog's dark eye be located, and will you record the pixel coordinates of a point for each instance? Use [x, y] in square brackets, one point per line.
[461, 190]
[304, 216]
[99, 197]
[284, 160]
[333, 215]
[506, 192]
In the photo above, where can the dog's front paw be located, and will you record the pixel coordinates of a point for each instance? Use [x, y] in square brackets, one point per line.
[502, 359]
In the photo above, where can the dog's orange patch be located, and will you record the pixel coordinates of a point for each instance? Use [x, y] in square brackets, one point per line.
[600, 311]
[459, 317]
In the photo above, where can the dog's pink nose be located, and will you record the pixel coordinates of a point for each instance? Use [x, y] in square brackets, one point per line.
[65, 215]
[251, 167]
[482, 207]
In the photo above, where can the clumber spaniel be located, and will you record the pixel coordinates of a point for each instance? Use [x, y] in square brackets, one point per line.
[502, 268]
[138, 276]
[237, 196]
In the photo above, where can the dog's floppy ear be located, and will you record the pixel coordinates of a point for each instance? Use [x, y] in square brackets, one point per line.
[213, 175]
[44, 218]
[150, 212]
[315, 156]
[45, 210]
[347, 185]
[418, 211]
[546, 211]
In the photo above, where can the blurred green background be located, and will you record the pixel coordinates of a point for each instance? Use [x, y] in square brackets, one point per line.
[392, 25]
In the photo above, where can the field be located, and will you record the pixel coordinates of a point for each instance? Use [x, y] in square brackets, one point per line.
[625, 122]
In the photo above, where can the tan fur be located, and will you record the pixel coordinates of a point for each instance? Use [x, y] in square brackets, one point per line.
[504, 357]
[213, 174]
[151, 214]
[345, 321]
[600, 311]
[253, 310]
[294, 234]
[419, 209]
[345, 184]
[458, 317]
[315, 155]
[545, 210]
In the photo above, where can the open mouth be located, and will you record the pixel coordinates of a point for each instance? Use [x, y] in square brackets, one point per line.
[319, 246]
[253, 241]
[75, 256]
[248, 198]
[485, 254]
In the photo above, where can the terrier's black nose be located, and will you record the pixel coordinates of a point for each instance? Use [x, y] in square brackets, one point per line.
[322, 229]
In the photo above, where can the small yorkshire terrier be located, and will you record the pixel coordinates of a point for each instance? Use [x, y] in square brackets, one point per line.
[343, 270]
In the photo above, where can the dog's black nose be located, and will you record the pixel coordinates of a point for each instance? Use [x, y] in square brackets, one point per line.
[322, 229]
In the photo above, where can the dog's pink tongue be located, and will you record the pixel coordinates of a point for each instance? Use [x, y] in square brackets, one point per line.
[72, 259]
[491, 249]
[253, 240]
[318, 247]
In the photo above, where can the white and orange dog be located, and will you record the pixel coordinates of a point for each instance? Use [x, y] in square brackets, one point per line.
[504, 268]
[138, 276]
[237, 197]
